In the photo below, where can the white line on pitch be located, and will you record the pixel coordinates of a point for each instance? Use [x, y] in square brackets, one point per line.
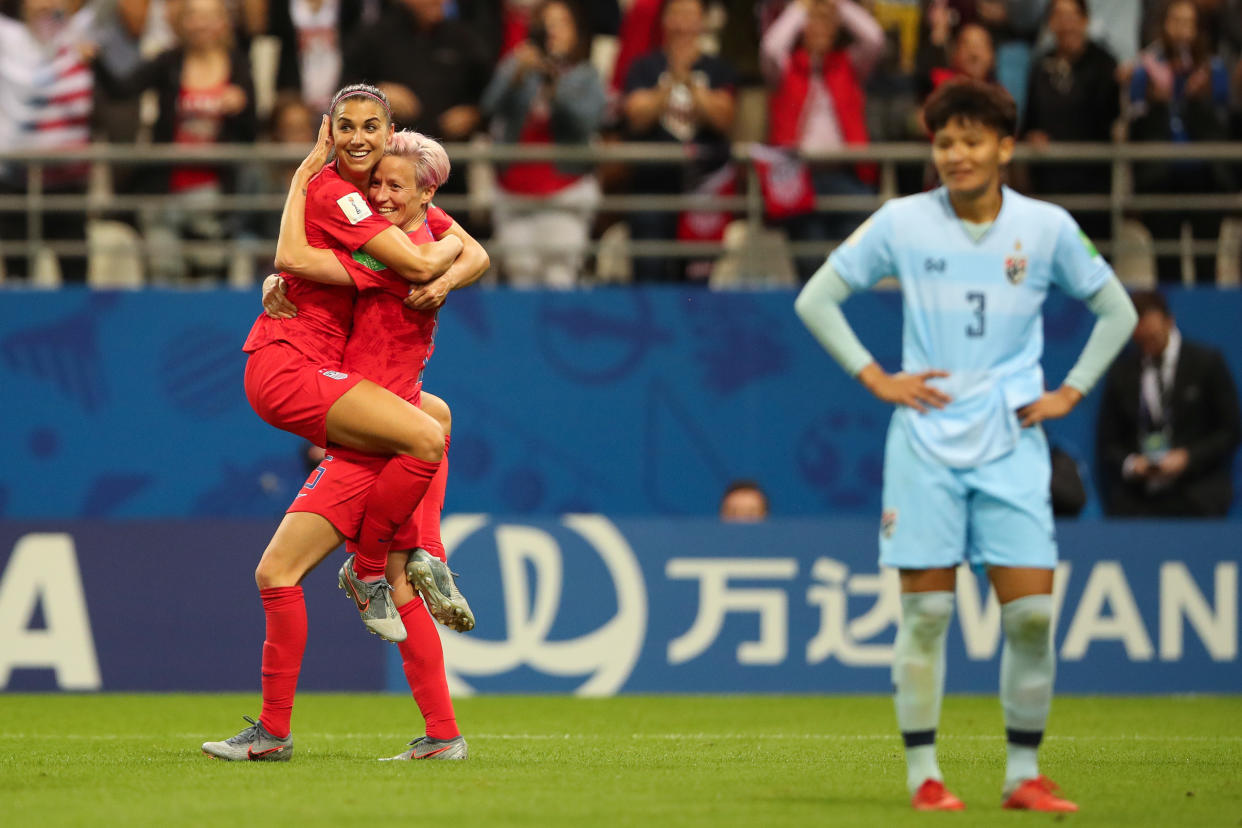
[672, 737]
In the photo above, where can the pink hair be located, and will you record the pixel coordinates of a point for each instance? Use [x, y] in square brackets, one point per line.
[426, 154]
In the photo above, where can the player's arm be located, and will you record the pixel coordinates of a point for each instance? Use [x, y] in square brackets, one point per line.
[413, 262]
[294, 253]
[471, 264]
[466, 270]
[1080, 270]
[819, 308]
[1115, 321]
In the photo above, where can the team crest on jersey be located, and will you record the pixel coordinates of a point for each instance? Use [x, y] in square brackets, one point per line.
[1015, 269]
[1015, 265]
[354, 206]
[888, 523]
[336, 375]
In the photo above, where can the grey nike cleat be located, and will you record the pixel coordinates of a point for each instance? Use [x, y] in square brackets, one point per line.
[424, 747]
[374, 602]
[432, 578]
[254, 744]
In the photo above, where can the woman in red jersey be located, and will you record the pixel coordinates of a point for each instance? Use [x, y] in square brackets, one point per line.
[392, 339]
[294, 379]
[390, 343]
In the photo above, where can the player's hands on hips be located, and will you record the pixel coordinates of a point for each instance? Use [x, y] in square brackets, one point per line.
[429, 295]
[275, 303]
[1052, 405]
[905, 389]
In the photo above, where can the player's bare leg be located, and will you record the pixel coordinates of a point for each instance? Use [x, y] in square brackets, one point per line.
[436, 408]
[918, 678]
[1028, 667]
[301, 542]
[370, 418]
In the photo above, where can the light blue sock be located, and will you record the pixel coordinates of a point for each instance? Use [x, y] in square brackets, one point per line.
[918, 679]
[1028, 666]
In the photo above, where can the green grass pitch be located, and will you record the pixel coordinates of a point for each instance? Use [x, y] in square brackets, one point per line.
[106, 760]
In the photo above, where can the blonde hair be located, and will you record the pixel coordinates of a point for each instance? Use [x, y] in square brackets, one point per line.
[430, 161]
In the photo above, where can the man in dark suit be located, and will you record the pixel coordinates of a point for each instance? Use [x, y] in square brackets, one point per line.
[1169, 423]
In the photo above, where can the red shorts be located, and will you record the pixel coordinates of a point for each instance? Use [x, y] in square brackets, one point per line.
[292, 393]
[338, 491]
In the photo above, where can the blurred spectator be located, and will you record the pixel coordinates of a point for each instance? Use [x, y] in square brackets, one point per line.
[1180, 92]
[682, 95]
[433, 69]
[311, 34]
[1073, 96]
[1168, 425]
[46, 89]
[158, 22]
[546, 91]
[205, 97]
[744, 502]
[1014, 25]
[503, 24]
[1220, 23]
[816, 56]
[968, 52]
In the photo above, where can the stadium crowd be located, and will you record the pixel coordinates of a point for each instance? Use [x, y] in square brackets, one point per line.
[795, 76]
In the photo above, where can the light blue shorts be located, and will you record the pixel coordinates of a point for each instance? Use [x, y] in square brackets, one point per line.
[996, 514]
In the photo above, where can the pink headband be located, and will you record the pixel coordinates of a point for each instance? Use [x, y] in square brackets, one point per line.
[355, 93]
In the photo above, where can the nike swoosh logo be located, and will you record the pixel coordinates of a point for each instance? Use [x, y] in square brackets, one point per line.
[256, 755]
[362, 605]
[435, 752]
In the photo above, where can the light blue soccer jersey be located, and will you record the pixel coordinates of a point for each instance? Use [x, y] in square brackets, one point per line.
[972, 308]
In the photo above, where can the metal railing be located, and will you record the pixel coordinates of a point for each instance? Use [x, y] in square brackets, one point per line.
[1119, 203]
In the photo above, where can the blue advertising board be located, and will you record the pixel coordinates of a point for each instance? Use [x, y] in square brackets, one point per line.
[628, 402]
[597, 605]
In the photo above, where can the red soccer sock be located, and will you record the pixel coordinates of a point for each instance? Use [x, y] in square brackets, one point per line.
[427, 515]
[422, 659]
[282, 655]
[397, 491]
